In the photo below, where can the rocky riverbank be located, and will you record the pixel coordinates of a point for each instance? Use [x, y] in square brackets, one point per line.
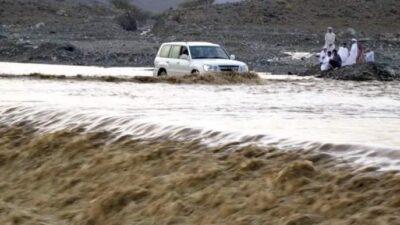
[358, 72]
[363, 72]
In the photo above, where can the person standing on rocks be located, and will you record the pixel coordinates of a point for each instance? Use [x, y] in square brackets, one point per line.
[353, 53]
[330, 39]
[343, 53]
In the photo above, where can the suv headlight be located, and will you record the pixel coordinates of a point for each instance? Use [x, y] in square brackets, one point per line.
[210, 68]
[244, 69]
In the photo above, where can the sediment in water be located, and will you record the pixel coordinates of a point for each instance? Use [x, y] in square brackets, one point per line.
[73, 177]
[218, 79]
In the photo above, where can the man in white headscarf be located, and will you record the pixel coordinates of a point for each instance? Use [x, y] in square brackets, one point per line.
[343, 53]
[325, 65]
[322, 55]
[353, 53]
[330, 39]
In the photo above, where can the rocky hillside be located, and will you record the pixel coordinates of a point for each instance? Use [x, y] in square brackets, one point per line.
[259, 32]
[157, 6]
[370, 15]
[14, 12]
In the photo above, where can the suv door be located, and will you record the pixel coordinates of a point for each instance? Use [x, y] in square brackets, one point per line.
[162, 59]
[178, 66]
[184, 64]
[173, 68]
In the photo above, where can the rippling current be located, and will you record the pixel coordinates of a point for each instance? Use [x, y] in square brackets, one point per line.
[359, 121]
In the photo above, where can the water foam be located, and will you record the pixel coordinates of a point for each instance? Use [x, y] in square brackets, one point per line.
[51, 120]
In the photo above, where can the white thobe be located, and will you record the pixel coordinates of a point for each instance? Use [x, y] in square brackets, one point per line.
[344, 54]
[325, 64]
[330, 39]
[370, 57]
[353, 55]
[322, 56]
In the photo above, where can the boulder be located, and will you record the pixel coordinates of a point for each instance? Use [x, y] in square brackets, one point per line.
[362, 72]
[351, 31]
[127, 21]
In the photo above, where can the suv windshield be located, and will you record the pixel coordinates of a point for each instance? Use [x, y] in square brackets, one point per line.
[208, 52]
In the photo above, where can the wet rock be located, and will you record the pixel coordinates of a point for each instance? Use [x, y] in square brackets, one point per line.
[362, 72]
[312, 71]
[127, 21]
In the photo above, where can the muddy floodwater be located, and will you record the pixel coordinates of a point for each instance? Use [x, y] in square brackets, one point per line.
[289, 151]
[358, 120]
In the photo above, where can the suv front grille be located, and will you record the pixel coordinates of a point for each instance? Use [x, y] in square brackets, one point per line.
[226, 68]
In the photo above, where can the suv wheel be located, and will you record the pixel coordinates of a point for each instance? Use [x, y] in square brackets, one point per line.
[195, 72]
[162, 73]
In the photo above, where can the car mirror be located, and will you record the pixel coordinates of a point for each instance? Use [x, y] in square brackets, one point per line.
[184, 57]
[233, 57]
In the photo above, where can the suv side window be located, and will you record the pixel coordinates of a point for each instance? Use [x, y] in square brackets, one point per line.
[184, 51]
[175, 52]
[165, 51]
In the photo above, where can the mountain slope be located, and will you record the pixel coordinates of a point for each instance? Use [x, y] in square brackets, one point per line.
[34, 11]
[309, 14]
[162, 5]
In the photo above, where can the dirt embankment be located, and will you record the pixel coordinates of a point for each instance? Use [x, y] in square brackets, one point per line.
[358, 72]
[72, 177]
[208, 79]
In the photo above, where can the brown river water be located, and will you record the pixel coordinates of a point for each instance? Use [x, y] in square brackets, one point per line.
[355, 120]
[290, 151]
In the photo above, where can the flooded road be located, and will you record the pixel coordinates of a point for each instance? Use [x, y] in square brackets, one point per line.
[359, 121]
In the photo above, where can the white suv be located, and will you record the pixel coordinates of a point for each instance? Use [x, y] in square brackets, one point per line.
[183, 58]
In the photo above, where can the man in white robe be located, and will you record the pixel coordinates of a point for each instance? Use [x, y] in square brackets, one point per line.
[322, 55]
[330, 39]
[370, 56]
[353, 54]
[325, 65]
[343, 53]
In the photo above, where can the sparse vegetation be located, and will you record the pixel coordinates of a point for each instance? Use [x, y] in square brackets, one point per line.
[196, 3]
[128, 7]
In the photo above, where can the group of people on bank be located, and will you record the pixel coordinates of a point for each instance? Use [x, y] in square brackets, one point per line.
[330, 58]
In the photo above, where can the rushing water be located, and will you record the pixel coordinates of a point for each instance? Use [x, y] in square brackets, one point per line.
[356, 120]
